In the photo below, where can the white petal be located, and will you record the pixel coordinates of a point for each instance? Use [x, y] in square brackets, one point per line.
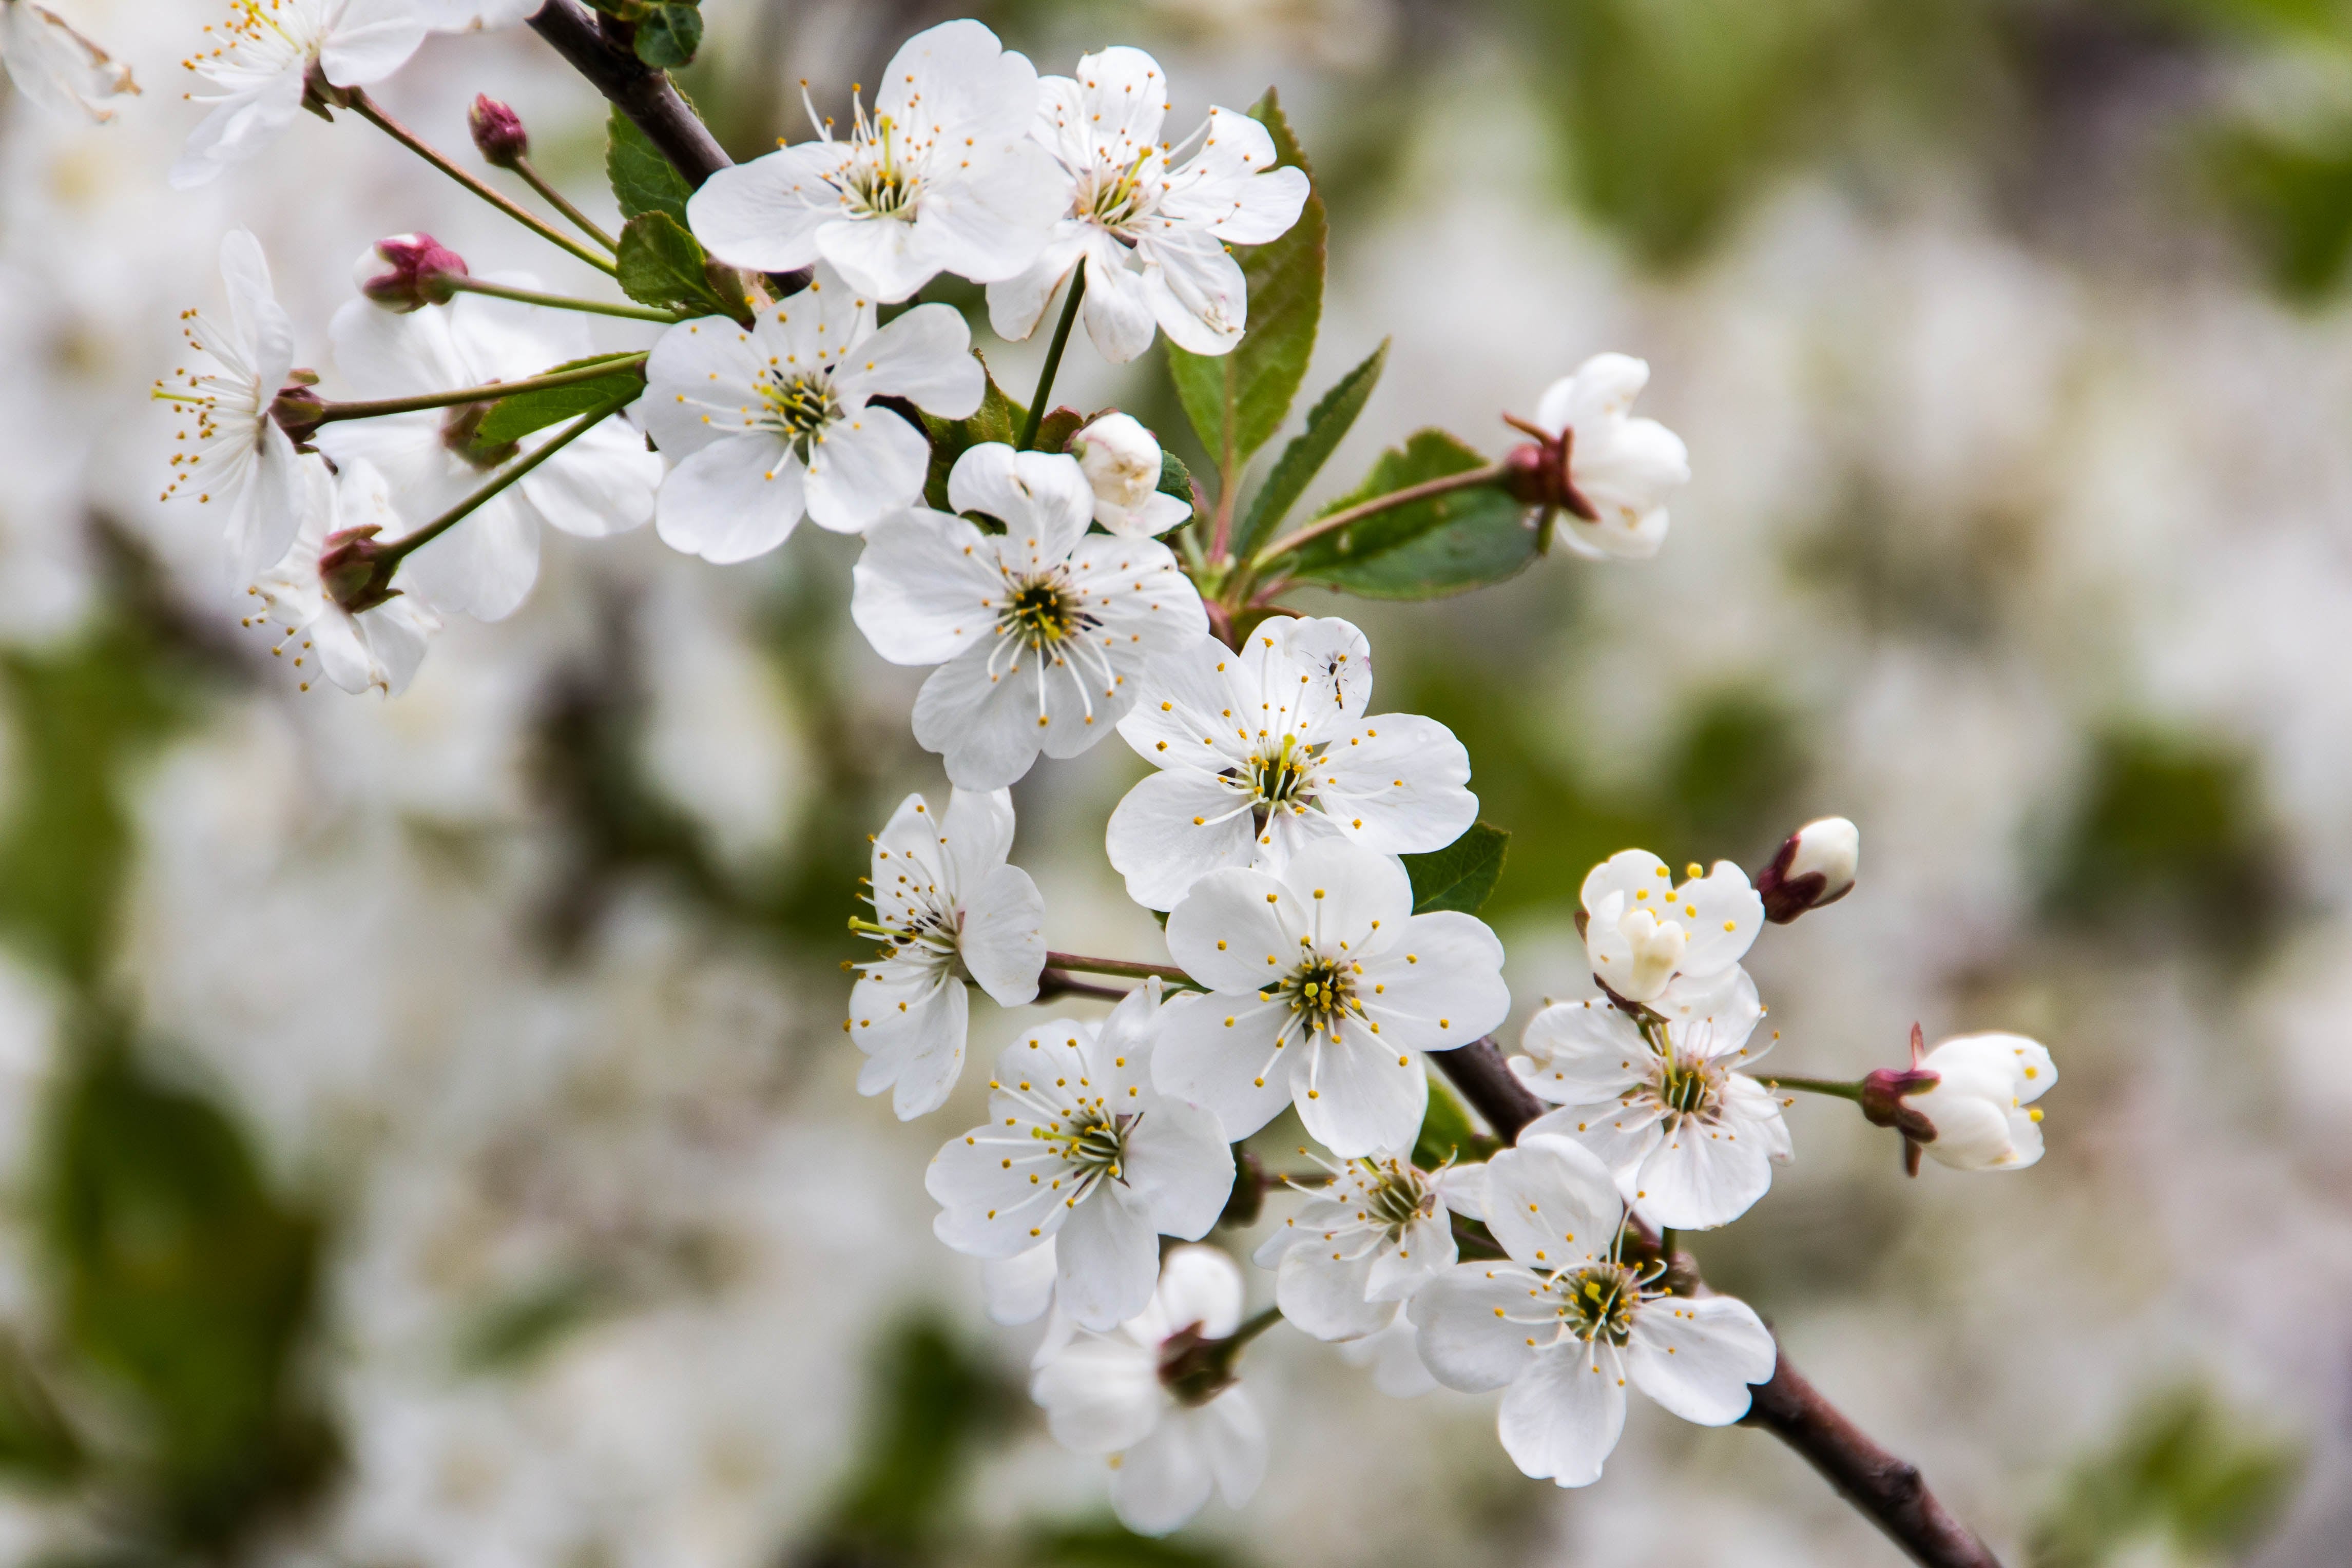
[1360, 1095]
[1441, 979]
[1698, 1357]
[1199, 1288]
[1018, 1290]
[699, 380]
[1117, 309]
[1701, 1175]
[1237, 930]
[1350, 894]
[1325, 1296]
[1001, 944]
[1109, 1261]
[1042, 498]
[1162, 1481]
[924, 356]
[1560, 1420]
[913, 1036]
[1231, 1069]
[865, 466]
[1551, 1203]
[1100, 1394]
[1464, 1319]
[603, 483]
[484, 567]
[764, 215]
[1581, 1053]
[925, 587]
[1173, 829]
[1179, 1167]
[1235, 1439]
[732, 501]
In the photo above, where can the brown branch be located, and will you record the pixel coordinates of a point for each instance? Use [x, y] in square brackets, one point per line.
[1888, 1490]
[1054, 984]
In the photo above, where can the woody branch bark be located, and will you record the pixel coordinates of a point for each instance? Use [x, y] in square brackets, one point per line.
[1889, 1490]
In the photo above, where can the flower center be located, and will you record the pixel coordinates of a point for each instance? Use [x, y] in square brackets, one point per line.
[1394, 1197]
[884, 174]
[1686, 1086]
[1114, 198]
[1038, 613]
[1093, 1144]
[799, 407]
[1281, 778]
[1598, 1300]
[1323, 991]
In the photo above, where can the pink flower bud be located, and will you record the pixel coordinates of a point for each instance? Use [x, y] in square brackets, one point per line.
[1816, 865]
[408, 272]
[497, 132]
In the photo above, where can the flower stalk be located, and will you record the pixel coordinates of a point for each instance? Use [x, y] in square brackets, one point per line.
[300, 416]
[1129, 968]
[1468, 479]
[1036, 416]
[387, 558]
[564, 301]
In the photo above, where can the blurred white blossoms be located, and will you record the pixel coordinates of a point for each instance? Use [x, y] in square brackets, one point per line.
[1640, 930]
[1326, 988]
[260, 60]
[1266, 750]
[378, 647]
[1981, 1105]
[1152, 239]
[603, 483]
[1618, 468]
[1122, 461]
[1168, 1447]
[240, 459]
[768, 421]
[1039, 631]
[1364, 1243]
[473, 16]
[55, 66]
[1690, 1141]
[943, 178]
[1079, 1149]
[953, 911]
[1564, 1323]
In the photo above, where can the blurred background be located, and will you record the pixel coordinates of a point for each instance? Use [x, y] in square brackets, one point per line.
[426, 1139]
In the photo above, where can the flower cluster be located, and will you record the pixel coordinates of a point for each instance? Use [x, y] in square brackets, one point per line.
[1318, 864]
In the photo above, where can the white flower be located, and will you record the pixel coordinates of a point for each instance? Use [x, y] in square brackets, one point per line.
[1266, 750]
[1325, 989]
[1690, 1140]
[240, 459]
[600, 484]
[1394, 1357]
[1104, 1394]
[1364, 1242]
[1816, 865]
[1564, 1323]
[1153, 239]
[953, 911]
[261, 58]
[776, 418]
[1039, 631]
[55, 66]
[1618, 468]
[378, 648]
[944, 178]
[1020, 1289]
[1079, 1148]
[1640, 930]
[1122, 461]
[1981, 1105]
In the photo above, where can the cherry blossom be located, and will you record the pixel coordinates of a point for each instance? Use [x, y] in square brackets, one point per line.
[1267, 750]
[1153, 238]
[1365, 1241]
[1039, 631]
[1325, 988]
[1618, 468]
[777, 419]
[1640, 930]
[1079, 1148]
[55, 66]
[1122, 460]
[261, 59]
[1981, 1103]
[943, 177]
[377, 647]
[1563, 1324]
[951, 911]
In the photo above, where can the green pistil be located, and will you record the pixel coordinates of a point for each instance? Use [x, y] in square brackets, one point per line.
[1598, 1303]
[1037, 615]
[802, 406]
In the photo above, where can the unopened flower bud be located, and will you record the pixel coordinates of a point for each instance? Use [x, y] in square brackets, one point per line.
[355, 571]
[1980, 1106]
[1816, 865]
[297, 407]
[408, 272]
[497, 132]
[1121, 462]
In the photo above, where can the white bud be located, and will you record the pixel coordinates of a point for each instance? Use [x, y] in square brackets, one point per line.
[1816, 865]
[1980, 1103]
[1122, 463]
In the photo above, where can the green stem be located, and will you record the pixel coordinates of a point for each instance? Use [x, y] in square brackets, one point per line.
[1133, 969]
[1835, 1087]
[555, 198]
[1053, 359]
[1469, 479]
[378, 407]
[562, 301]
[1251, 1328]
[367, 110]
[408, 544]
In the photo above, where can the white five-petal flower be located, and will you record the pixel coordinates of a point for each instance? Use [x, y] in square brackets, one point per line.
[1122, 461]
[240, 459]
[1266, 750]
[951, 911]
[1039, 631]
[1326, 987]
[776, 418]
[943, 178]
[261, 58]
[1079, 1149]
[602, 482]
[1690, 1140]
[1364, 1243]
[1153, 238]
[1104, 1394]
[380, 647]
[55, 66]
[1640, 930]
[1982, 1103]
[1564, 1324]
[1619, 465]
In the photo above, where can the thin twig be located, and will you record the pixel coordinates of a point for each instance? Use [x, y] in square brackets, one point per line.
[408, 544]
[561, 301]
[1056, 984]
[1133, 968]
[556, 199]
[1888, 1490]
[1468, 479]
[376, 408]
[365, 107]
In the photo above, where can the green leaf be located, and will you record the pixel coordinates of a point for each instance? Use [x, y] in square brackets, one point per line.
[661, 264]
[998, 418]
[1448, 1133]
[1175, 479]
[1236, 401]
[512, 418]
[668, 36]
[1463, 874]
[1054, 431]
[642, 180]
[1448, 544]
[1327, 425]
[38, 1446]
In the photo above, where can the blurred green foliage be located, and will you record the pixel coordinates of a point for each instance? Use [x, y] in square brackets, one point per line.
[2184, 1472]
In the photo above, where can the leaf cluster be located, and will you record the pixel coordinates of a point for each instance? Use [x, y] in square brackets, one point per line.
[664, 33]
